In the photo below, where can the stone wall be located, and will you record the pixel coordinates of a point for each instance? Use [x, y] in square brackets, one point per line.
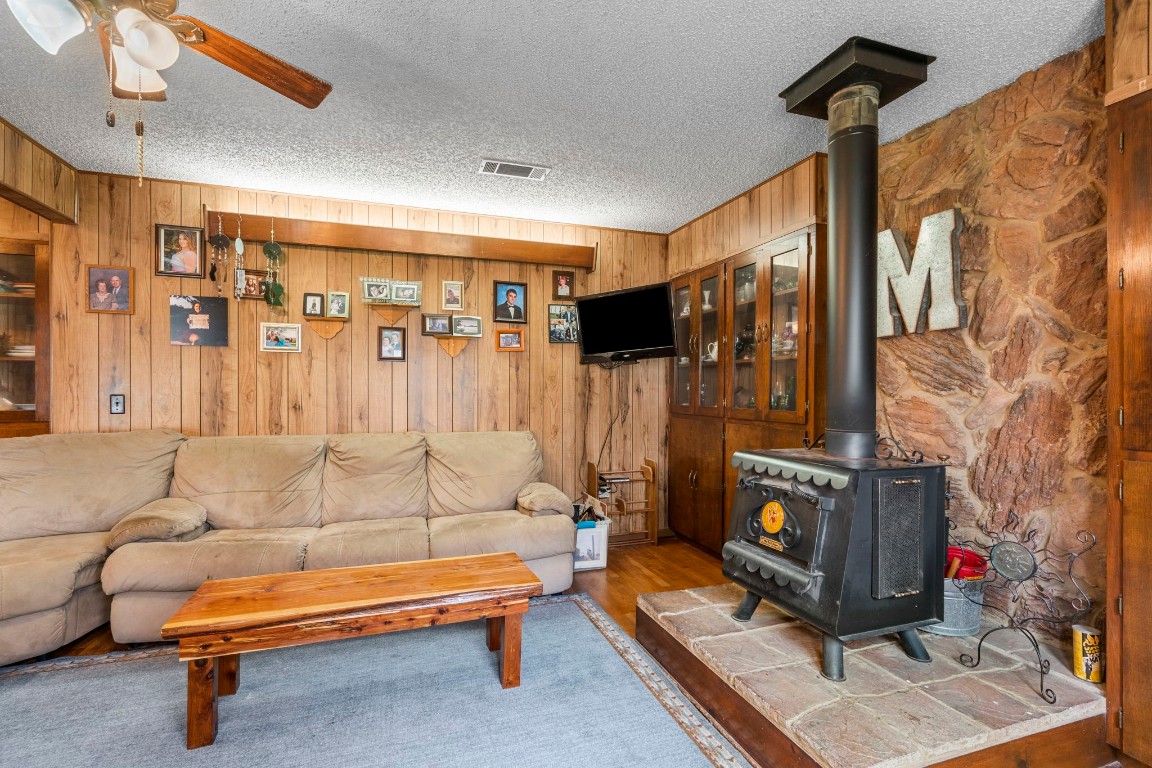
[1016, 400]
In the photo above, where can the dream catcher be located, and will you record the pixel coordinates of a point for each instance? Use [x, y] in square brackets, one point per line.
[274, 254]
[218, 272]
[238, 246]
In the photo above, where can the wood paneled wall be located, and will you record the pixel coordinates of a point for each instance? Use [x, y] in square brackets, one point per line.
[339, 385]
[788, 201]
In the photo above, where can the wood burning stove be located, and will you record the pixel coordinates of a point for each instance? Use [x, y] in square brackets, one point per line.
[849, 542]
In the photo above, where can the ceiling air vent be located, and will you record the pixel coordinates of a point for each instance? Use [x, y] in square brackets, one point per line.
[515, 170]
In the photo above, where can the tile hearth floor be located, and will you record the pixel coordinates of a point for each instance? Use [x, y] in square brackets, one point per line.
[891, 712]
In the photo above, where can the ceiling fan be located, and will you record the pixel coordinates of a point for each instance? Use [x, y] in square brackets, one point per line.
[142, 37]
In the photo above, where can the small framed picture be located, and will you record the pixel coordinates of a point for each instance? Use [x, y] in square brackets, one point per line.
[313, 305]
[453, 295]
[338, 304]
[110, 289]
[509, 341]
[198, 321]
[562, 324]
[562, 284]
[253, 283]
[279, 337]
[406, 292]
[376, 290]
[436, 325]
[466, 325]
[511, 300]
[179, 251]
[393, 344]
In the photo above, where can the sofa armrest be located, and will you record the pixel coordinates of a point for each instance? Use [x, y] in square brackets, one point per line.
[536, 499]
[161, 520]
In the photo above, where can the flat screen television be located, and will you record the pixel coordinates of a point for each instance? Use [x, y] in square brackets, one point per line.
[627, 325]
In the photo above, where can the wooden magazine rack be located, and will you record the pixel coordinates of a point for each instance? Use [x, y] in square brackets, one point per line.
[631, 503]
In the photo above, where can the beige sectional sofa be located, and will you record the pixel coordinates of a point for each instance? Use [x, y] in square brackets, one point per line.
[144, 518]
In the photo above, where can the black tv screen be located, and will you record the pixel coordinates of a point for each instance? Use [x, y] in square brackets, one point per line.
[627, 325]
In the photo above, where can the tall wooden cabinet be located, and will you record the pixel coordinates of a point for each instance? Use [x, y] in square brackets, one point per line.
[24, 337]
[745, 374]
[1129, 637]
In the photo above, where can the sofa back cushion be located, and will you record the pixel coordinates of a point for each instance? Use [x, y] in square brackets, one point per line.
[268, 481]
[374, 477]
[81, 483]
[479, 471]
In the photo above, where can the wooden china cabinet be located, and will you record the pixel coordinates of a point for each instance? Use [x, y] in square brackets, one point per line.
[24, 337]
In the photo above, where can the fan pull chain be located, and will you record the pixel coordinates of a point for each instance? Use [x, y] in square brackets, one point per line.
[110, 114]
[140, 130]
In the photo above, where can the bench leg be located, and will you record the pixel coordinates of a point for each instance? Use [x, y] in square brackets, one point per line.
[495, 629]
[510, 659]
[202, 701]
[228, 674]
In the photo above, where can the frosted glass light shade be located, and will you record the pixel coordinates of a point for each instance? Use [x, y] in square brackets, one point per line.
[130, 76]
[150, 44]
[51, 23]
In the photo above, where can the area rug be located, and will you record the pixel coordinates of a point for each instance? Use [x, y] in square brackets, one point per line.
[589, 696]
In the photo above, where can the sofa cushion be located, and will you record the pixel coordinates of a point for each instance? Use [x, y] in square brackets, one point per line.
[479, 471]
[253, 482]
[543, 498]
[162, 520]
[368, 542]
[167, 566]
[372, 477]
[505, 531]
[42, 573]
[80, 483]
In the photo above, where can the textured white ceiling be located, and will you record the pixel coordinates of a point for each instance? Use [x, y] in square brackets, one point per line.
[650, 112]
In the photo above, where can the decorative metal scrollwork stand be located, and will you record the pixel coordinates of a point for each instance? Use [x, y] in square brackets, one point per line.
[1012, 564]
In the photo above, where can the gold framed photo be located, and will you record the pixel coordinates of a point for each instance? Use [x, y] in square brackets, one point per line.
[110, 289]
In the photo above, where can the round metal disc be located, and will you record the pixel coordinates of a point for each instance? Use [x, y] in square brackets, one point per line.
[220, 240]
[272, 250]
[1013, 561]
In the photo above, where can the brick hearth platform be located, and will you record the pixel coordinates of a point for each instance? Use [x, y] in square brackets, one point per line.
[761, 681]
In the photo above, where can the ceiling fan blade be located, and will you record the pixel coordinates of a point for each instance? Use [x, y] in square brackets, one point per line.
[264, 68]
[110, 66]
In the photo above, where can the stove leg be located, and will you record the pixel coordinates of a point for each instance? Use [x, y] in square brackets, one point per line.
[747, 607]
[832, 666]
[913, 645]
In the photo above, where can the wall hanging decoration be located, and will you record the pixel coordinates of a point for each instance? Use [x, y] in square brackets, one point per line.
[274, 256]
[407, 293]
[466, 325]
[241, 277]
[509, 341]
[338, 304]
[198, 321]
[562, 324]
[393, 344]
[511, 301]
[436, 325]
[179, 251]
[279, 337]
[376, 290]
[313, 305]
[220, 242]
[562, 282]
[110, 289]
[452, 296]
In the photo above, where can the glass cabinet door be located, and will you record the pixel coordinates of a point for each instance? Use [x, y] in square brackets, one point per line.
[743, 384]
[19, 356]
[682, 365]
[708, 341]
[785, 332]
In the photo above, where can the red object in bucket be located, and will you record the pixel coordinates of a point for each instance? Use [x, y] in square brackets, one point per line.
[972, 564]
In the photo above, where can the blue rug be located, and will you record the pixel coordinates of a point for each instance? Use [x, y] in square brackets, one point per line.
[589, 697]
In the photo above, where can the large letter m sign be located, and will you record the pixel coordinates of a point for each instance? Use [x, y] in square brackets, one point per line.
[921, 291]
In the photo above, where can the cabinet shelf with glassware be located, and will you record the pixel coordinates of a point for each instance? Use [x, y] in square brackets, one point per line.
[697, 378]
[23, 337]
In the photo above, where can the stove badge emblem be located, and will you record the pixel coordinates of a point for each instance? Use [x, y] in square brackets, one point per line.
[772, 517]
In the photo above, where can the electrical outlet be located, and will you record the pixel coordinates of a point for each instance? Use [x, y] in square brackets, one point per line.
[116, 404]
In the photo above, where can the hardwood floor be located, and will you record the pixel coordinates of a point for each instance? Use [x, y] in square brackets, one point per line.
[631, 571]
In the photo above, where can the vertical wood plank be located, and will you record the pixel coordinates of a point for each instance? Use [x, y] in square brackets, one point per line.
[191, 215]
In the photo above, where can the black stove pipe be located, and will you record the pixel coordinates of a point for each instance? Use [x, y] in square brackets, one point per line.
[853, 149]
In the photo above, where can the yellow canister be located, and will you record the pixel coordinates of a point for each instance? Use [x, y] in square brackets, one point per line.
[1088, 653]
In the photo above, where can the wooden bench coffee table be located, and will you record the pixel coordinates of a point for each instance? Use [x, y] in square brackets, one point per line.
[228, 617]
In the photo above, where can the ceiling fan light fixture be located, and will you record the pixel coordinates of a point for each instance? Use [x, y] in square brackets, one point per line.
[51, 23]
[150, 44]
[132, 77]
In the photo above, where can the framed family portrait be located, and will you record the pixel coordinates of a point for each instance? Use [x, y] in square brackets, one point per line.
[511, 301]
[436, 325]
[279, 337]
[562, 324]
[110, 289]
[198, 321]
[452, 292]
[393, 344]
[466, 325]
[509, 341]
[562, 283]
[179, 251]
[406, 293]
[252, 283]
[313, 305]
[376, 290]
[338, 304]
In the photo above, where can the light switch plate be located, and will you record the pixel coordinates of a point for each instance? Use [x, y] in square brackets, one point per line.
[116, 404]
